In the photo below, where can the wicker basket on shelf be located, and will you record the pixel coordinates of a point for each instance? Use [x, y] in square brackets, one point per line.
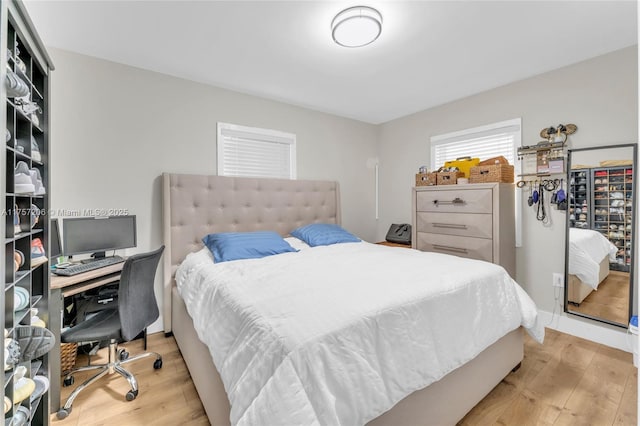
[449, 178]
[425, 179]
[492, 173]
[68, 352]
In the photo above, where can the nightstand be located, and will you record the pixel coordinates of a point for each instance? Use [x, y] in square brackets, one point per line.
[387, 243]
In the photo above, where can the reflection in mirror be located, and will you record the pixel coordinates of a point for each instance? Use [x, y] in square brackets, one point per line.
[600, 250]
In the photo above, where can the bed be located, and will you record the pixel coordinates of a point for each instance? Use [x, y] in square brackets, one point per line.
[589, 255]
[194, 206]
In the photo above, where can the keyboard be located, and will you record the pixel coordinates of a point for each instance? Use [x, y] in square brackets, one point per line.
[86, 267]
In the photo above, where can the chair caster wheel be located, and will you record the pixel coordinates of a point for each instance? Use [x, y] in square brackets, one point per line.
[122, 354]
[131, 395]
[62, 413]
[157, 364]
[68, 381]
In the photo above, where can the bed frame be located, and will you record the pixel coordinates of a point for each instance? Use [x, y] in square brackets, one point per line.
[194, 206]
[578, 291]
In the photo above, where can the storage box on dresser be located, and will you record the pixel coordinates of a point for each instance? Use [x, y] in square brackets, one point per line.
[474, 221]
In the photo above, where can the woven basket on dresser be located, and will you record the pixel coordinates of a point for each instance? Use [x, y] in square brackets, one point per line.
[492, 173]
[449, 178]
[68, 352]
[425, 179]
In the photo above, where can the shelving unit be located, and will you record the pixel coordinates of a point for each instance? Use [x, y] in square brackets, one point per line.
[601, 199]
[580, 199]
[22, 52]
[613, 208]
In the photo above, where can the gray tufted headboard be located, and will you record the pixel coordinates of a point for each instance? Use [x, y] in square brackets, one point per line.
[196, 205]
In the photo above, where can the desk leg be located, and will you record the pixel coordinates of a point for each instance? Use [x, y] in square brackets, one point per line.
[55, 324]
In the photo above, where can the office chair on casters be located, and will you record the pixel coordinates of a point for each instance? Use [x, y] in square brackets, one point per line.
[137, 309]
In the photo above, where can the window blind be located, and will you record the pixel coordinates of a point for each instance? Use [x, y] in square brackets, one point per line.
[254, 152]
[484, 142]
[482, 147]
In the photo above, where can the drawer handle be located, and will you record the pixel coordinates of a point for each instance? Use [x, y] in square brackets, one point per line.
[449, 225]
[456, 200]
[448, 248]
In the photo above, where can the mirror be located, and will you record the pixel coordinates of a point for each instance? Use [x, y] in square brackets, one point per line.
[600, 250]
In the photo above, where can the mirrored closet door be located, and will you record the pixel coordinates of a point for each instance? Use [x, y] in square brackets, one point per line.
[600, 251]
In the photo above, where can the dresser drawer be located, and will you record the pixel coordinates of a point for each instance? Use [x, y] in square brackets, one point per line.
[455, 200]
[464, 224]
[472, 248]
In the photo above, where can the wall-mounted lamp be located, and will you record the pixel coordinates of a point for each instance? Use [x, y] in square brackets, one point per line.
[558, 133]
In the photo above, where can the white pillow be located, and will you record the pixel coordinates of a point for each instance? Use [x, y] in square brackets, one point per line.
[297, 243]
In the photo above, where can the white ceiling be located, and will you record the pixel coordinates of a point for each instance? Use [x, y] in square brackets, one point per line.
[429, 52]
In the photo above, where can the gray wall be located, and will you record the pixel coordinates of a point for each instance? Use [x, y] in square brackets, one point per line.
[116, 128]
[600, 96]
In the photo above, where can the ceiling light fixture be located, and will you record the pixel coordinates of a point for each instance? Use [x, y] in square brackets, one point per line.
[356, 26]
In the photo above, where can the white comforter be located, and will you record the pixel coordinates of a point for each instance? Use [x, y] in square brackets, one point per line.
[337, 335]
[587, 248]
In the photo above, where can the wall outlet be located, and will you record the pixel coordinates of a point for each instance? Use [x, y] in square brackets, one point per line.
[558, 279]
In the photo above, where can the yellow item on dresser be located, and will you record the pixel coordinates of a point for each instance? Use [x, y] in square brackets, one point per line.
[7, 404]
[464, 164]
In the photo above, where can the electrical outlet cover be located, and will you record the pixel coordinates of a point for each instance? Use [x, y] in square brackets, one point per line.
[558, 279]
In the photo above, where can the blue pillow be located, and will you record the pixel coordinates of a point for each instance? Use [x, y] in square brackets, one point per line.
[324, 234]
[226, 246]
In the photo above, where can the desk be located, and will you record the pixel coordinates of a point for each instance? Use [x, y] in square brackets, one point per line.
[62, 287]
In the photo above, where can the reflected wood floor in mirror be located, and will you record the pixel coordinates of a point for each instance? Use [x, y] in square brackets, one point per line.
[610, 301]
[565, 381]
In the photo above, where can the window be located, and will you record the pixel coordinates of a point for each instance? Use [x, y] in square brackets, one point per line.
[484, 142]
[254, 152]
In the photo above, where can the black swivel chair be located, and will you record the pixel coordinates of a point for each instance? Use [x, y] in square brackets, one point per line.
[137, 309]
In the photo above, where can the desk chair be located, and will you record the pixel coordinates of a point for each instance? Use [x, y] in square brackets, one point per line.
[137, 309]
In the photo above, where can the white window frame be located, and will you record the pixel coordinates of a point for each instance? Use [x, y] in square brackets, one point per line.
[256, 134]
[513, 126]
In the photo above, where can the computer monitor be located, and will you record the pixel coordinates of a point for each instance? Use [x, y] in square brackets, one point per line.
[98, 234]
[54, 243]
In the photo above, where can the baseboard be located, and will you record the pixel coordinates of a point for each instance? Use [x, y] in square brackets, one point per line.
[596, 332]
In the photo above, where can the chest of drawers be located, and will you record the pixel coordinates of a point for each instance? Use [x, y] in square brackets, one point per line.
[476, 221]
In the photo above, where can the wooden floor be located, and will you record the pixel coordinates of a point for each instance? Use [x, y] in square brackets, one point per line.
[610, 301]
[566, 381]
[166, 396]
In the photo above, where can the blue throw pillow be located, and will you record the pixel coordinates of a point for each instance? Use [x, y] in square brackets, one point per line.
[324, 234]
[226, 246]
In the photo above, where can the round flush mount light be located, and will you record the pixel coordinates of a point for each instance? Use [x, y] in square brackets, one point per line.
[356, 26]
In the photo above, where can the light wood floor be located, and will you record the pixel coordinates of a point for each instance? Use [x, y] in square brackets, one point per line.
[566, 381]
[610, 301]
